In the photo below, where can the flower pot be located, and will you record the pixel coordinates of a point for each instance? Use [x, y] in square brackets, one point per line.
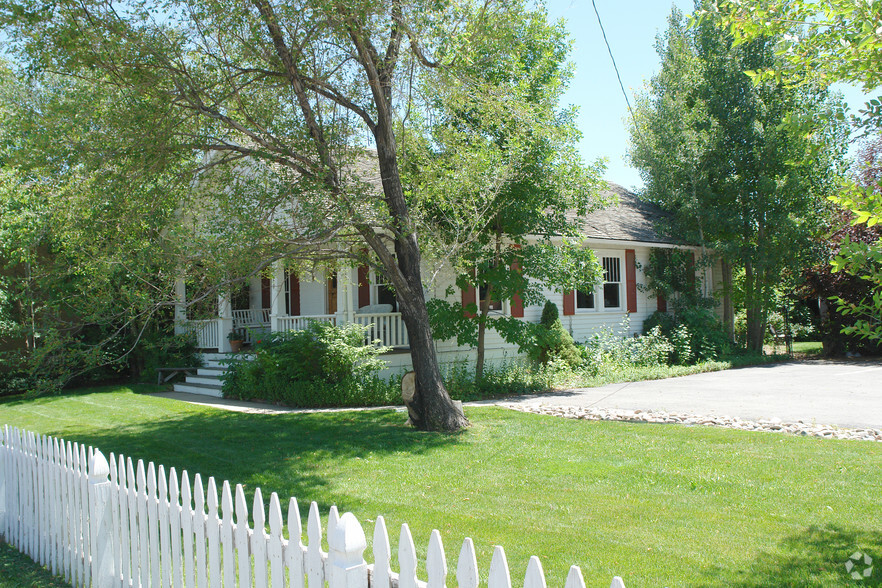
[236, 345]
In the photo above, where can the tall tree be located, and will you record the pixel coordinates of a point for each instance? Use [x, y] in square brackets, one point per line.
[504, 240]
[713, 149]
[827, 42]
[287, 98]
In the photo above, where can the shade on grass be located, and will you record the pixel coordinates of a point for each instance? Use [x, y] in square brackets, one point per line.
[660, 505]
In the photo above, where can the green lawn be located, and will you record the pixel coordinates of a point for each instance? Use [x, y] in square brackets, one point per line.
[808, 347]
[660, 505]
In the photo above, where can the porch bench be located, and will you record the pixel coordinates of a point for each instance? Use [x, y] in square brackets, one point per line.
[164, 374]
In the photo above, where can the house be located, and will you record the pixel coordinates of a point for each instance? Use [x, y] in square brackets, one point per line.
[621, 235]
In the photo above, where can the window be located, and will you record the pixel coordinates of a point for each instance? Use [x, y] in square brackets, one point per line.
[494, 304]
[385, 292]
[612, 282]
[584, 300]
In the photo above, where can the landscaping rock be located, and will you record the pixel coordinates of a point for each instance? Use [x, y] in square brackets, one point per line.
[773, 425]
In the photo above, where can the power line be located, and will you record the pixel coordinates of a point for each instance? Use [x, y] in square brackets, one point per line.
[615, 67]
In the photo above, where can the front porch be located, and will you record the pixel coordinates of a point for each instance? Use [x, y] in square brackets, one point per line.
[288, 302]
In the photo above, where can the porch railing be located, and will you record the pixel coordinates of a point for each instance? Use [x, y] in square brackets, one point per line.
[299, 323]
[207, 332]
[386, 327]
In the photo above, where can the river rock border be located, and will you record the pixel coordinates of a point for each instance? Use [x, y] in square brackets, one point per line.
[773, 425]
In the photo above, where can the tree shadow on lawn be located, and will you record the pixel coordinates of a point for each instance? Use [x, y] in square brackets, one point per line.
[287, 454]
[816, 556]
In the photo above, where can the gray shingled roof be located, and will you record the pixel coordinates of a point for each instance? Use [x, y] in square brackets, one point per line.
[630, 219]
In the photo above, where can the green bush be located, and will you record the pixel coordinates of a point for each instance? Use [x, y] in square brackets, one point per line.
[320, 366]
[695, 332]
[610, 349]
[551, 340]
[508, 378]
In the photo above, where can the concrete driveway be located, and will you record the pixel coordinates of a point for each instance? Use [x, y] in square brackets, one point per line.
[845, 393]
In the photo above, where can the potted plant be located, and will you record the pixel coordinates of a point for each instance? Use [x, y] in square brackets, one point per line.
[237, 340]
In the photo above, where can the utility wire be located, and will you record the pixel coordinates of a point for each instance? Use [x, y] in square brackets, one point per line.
[615, 67]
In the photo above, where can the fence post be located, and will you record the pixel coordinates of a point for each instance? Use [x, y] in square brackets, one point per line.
[346, 565]
[100, 522]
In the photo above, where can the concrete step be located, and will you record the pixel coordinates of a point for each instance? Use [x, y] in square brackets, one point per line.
[213, 380]
[211, 371]
[203, 389]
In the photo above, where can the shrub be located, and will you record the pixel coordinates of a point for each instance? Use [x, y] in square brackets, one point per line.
[508, 378]
[610, 349]
[320, 366]
[551, 340]
[694, 331]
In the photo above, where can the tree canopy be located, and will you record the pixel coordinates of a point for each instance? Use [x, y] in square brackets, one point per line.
[306, 126]
[713, 149]
[827, 42]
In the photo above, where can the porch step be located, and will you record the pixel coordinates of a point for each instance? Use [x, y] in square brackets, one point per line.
[209, 378]
[212, 380]
[204, 389]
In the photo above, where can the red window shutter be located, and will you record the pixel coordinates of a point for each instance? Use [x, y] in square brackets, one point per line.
[265, 291]
[662, 303]
[517, 303]
[517, 307]
[294, 295]
[469, 296]
[364, 286]
[631, 279]
[569, 303]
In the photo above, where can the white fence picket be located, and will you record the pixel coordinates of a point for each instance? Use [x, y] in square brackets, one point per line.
[574, 578]
[199, 531]
[187, 529]
[407, 561]
[226, 536]
[164, 529]
[274, 546]
[143, 531]
[499, 576]
[315, 557]
[174, 496]
[258, 541]
[212, 533]
[243, 537]
[294, 550]
[382, 573]
[535, 576]
[119, 525]
[134, 531]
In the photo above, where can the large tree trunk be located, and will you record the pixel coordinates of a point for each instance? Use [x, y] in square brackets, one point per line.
[728, 307]
[432, 405]
[482, 329]
[753, 305]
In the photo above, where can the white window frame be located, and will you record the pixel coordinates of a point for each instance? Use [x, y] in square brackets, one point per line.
[599, 302]
[374, 278]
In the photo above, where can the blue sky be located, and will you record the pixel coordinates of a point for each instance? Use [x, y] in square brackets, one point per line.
[631, 27]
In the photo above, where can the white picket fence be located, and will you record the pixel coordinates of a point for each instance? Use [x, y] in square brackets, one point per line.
[117, 524]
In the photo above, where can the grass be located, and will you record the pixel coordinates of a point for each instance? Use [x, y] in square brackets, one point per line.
[660, 505]
[808, 348]
[19, 571]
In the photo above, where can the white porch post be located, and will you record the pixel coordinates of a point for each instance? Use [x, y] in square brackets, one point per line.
[277, 295]
[180, 306]
[225, 321]
[342, 296]
[352, 278]
[254, 293]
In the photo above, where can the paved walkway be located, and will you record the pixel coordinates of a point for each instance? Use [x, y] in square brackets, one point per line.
[841, 393]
